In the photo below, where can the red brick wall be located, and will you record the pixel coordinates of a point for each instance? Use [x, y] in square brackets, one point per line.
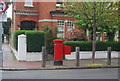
[45, 8]
[18, 18]
[20, 6]
[63, 18]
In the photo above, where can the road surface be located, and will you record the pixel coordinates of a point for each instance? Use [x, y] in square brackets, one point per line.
[62, 74]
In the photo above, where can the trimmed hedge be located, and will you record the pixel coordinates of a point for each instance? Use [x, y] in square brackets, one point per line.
[15, 40]
[102, 46]
[87, 46]
[35, 40]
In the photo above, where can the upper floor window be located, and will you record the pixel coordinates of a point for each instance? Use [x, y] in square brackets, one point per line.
[59, 3]
[28, 3]
[70, 25]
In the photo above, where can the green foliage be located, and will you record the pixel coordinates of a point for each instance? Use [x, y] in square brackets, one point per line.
[6, 26]
[102, 15]
[75, 36]
[16, 33]
[84, 46]
[110, 36]
[50, 35]
[102, 46]
[87, 46]
[35, 40]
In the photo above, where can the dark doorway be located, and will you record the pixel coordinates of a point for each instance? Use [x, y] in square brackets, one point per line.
[27, 25]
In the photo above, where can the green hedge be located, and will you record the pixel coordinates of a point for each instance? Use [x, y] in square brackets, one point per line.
[16, 33]
[35, 40]
[87, 46]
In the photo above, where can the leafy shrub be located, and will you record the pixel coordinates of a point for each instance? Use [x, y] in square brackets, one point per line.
[87, 46]
[75, 35]
[50, 34]
[35, 41]
[102, 46]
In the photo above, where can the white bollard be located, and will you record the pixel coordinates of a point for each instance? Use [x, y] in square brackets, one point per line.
[22, 51]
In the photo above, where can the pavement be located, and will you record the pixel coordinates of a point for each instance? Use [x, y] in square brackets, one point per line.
[1, 63]
[10, 63]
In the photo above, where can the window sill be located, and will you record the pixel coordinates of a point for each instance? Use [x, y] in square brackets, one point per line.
[60, 6]
[29, 6]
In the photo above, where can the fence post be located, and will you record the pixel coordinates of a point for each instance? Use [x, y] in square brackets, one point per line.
[77, 56]
[109, 56]
[44, 56]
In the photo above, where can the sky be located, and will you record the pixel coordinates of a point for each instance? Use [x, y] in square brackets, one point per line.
[9, 11]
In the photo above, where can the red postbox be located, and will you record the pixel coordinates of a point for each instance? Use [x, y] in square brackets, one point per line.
[59, 51]
[67, 50]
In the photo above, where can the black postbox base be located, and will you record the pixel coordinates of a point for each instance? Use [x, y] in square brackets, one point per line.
[58, 63]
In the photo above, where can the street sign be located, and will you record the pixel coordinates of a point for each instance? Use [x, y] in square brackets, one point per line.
[3, 6]
[3, 17]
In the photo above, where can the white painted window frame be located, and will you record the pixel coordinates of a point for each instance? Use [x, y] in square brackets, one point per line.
[28, 3]
[60, 5]
[70, 26]
[61, 24]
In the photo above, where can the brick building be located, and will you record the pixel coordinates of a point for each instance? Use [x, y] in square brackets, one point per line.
[31, 15]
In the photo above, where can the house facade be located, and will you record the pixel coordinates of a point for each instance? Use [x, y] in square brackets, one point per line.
[31, 15]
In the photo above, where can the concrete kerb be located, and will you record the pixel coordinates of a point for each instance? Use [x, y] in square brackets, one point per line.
[64, 68]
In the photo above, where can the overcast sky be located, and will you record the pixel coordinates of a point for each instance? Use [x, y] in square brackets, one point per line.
[9, 11]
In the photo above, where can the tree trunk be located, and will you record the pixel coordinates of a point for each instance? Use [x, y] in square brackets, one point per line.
[94, 44]
[94, 35]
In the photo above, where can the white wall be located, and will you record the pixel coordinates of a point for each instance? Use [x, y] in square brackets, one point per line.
[88, 55]
[22, 54]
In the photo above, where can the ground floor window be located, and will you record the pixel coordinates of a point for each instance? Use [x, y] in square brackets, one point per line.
[98, 36]
[60, 25]
[70, 25]
[27, 25]
[60, 35]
